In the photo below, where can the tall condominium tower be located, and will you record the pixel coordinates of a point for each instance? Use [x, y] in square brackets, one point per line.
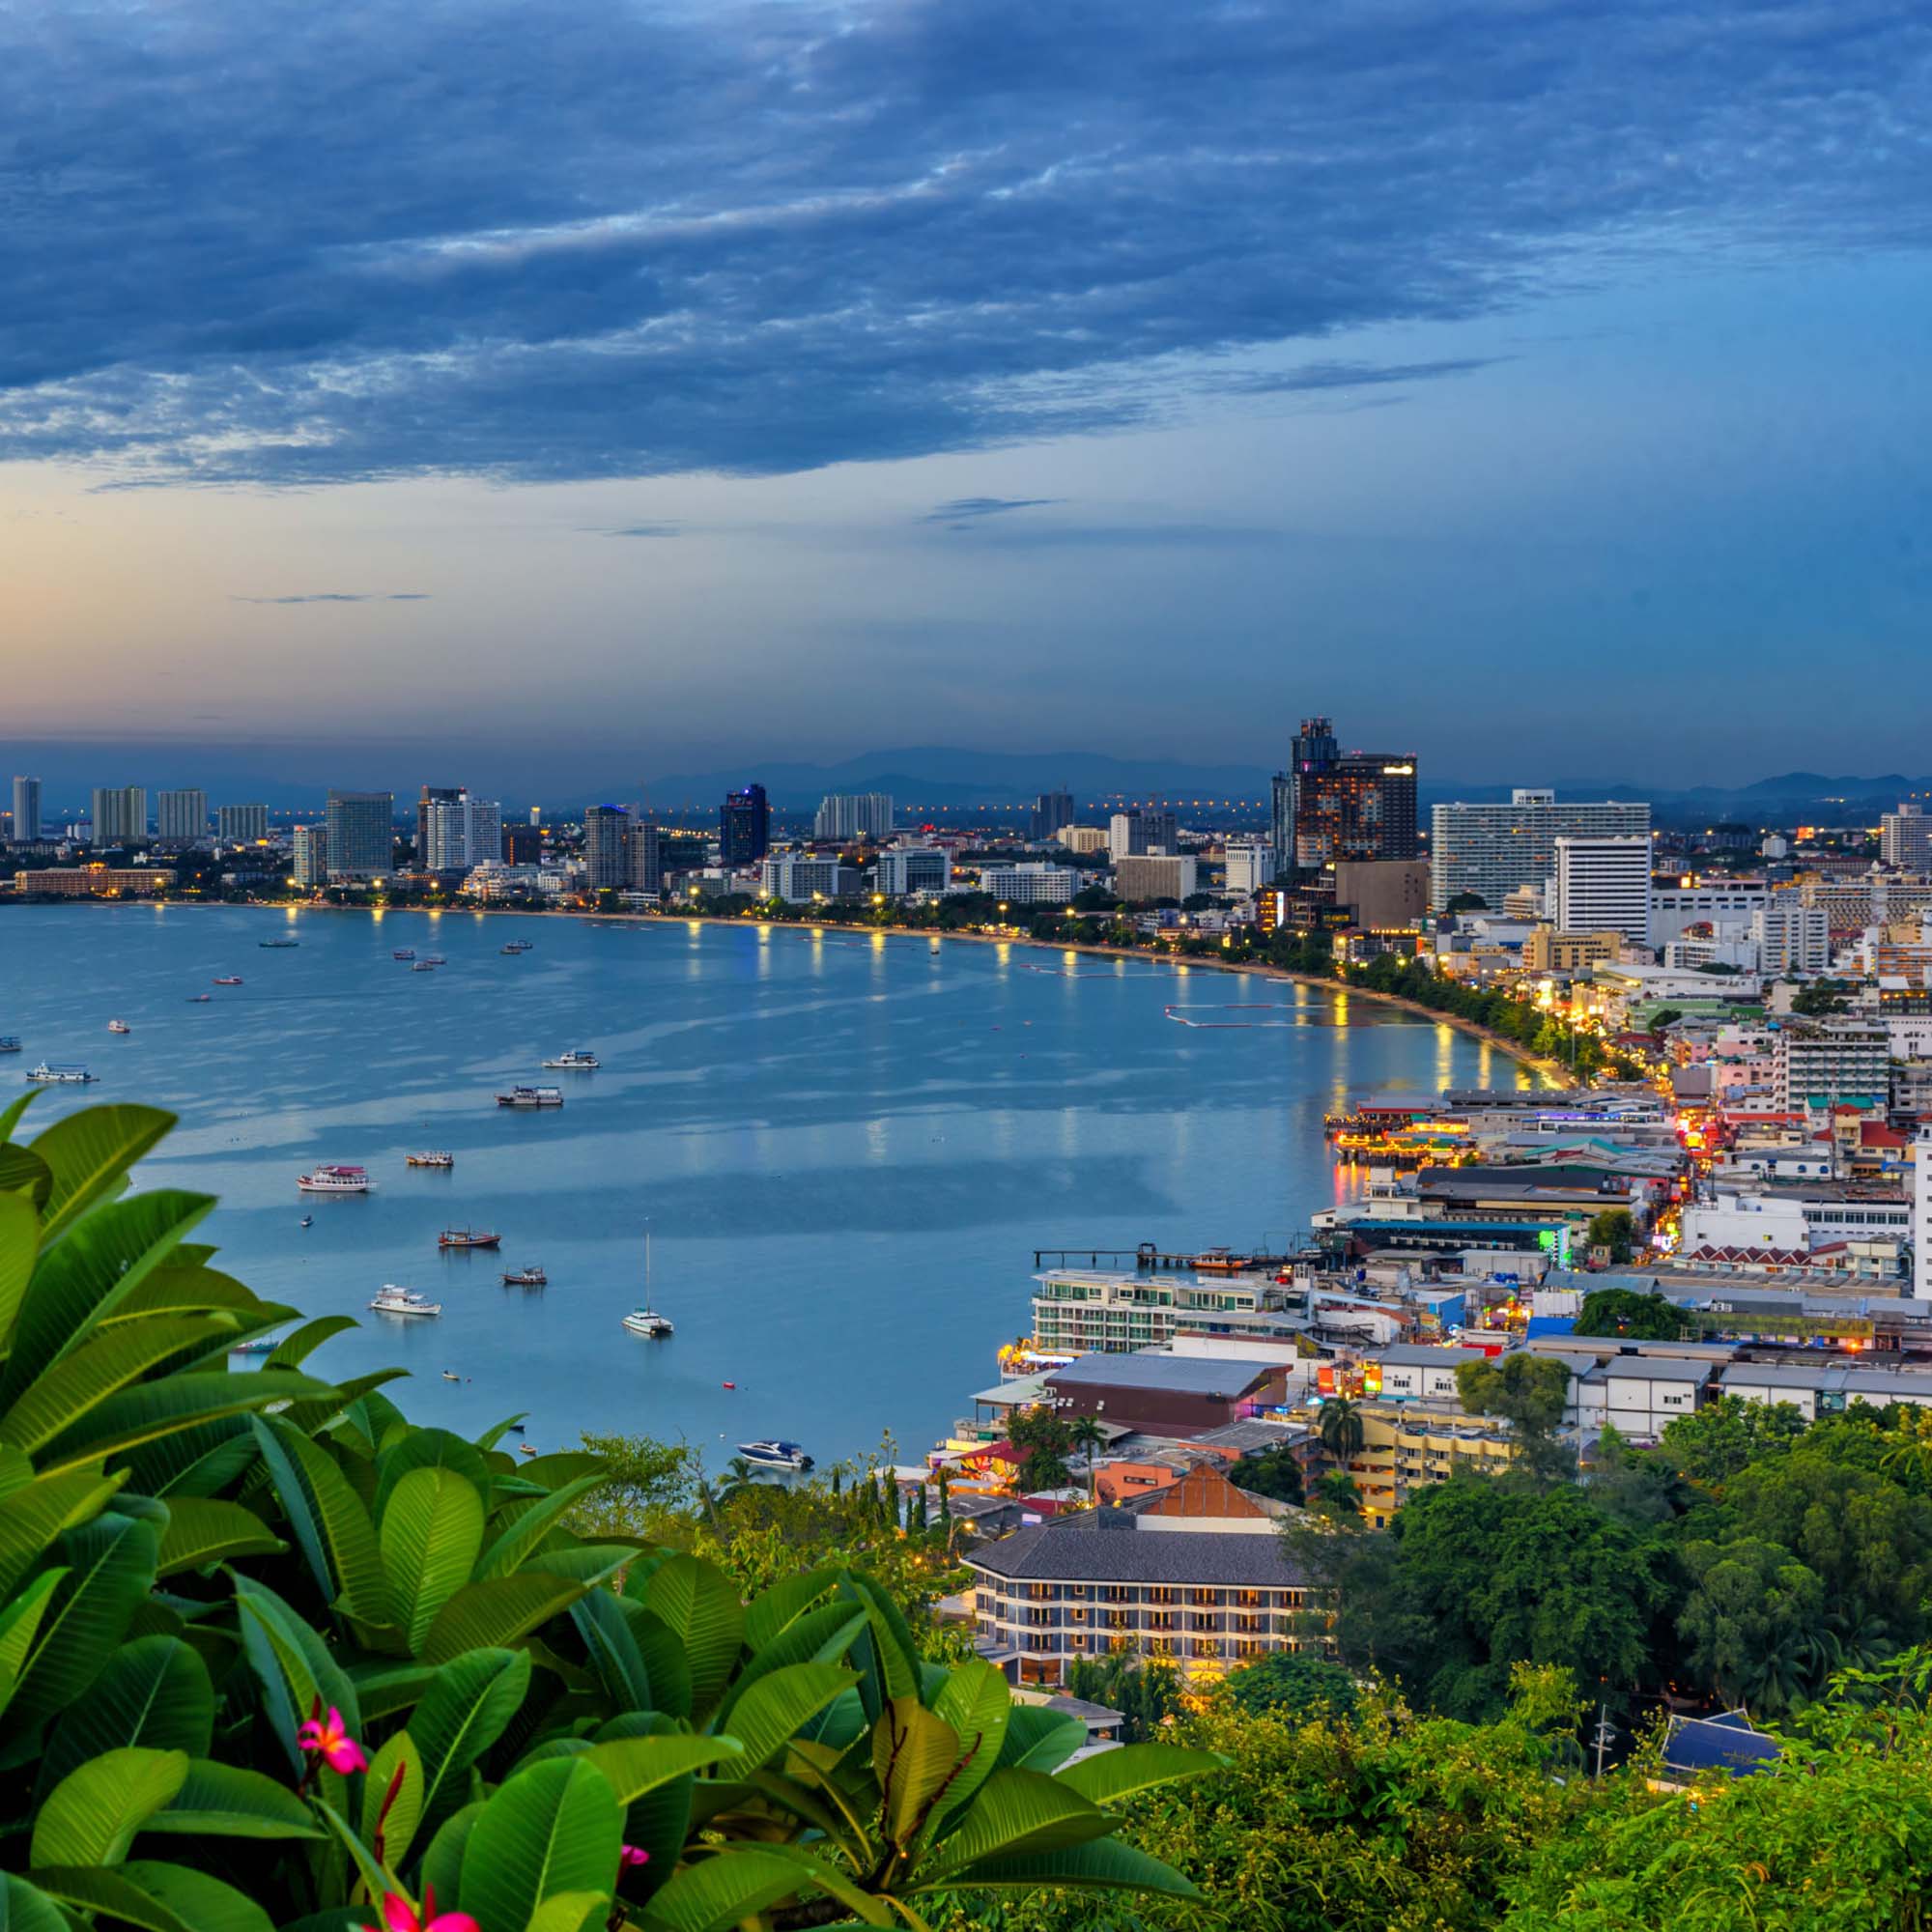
[180, 817]
[1491, 850]
[120, 815]
[1332, 804]
[846, 816]
[745, 826]
[26, 810]
[362, 829]
[607, 842]
[241, 824]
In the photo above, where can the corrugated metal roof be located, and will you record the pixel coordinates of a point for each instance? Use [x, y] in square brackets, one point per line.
[1181, 1374]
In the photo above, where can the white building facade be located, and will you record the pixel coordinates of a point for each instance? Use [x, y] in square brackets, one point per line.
[1491, 850]
[1603, 885]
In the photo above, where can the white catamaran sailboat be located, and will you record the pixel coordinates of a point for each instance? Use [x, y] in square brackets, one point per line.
[646, 1321]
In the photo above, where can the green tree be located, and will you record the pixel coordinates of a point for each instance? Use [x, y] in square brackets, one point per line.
[1272, 1472]
[1613, 1228]
[1045, 1438]
[1293, 1685]
[1712, 1443]
[1089, 1439]
[1755, 1624]
[1335, 1494]
[1622, 1311]
[1529, 1393]
[1340, 1428]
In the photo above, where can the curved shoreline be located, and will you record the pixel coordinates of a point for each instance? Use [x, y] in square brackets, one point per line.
[1549, 1070]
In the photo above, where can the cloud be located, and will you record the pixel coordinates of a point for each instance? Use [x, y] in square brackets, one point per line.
[645, 531]
[300, 245]
[1316, 377]
[962, 512]
[341, 597]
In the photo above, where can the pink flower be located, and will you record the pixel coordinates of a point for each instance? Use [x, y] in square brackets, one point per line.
[400, 1916]
[330, 1737]
[634, 1855]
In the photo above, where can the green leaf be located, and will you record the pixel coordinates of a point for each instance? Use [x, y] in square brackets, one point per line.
[20, 1621]
[91, 1816]
[314, 1491]
[788, 1598]
[376, 1877]
[442, 1864]
[1019, 1810]
[179, 1402]
[554, 1828]
[1104, 1865]
[19, 1244]
[466, 1709]
[432, 1529]
[714, 1893]
[782, 1700]
[819, 1636]
[89, 1153]
[1112, 1774]
[9, 1114]
[292, 1665]
[913, 1755]
[429, 1449]
[569, 1912]
[616, 1653]
[226, 1800]
[33, 1517]
[389, 1687]
[25, 1908]
[153, 1692]
[1039, 1739]
[61, 1395]
[111, 1570]
[888, 1660]
[293, 1351]
[699, 1605]
[156, 1897]
[497, 1614]
[634, 1766]
[977, 1702]
[201, 1532]
[25, 1176]
[530, 1527]
[399, 1763]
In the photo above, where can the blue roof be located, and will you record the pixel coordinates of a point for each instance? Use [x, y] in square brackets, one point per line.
[1726, 1741]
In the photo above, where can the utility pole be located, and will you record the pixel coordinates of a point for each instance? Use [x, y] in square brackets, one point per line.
[1604, 1734]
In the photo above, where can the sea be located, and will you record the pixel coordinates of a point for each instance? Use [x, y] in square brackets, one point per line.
[845, 1148]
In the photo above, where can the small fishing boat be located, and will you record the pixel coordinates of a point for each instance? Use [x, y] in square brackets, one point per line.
[450, 1376]
[575, 1059]
[527, 1277]
[517, 945]
[229, 980]
[424, 966]
[404, 953]
[528, 1098]
[335, 1179]
[468, 1237]
[432, 1159]
[119, 1026]
[774, 1453]
[728, 1386]
[434, 959]
[394, 1300]
[9, 1043]
[526, 1449]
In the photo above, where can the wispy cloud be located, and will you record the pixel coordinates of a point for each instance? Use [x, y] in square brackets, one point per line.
[341, 597]
[645, 531]
[625, 241]
[962, 512]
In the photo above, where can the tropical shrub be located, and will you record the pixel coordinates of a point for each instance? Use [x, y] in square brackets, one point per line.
[273, 1656]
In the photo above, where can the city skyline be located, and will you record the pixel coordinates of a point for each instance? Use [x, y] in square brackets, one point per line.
[764, 386]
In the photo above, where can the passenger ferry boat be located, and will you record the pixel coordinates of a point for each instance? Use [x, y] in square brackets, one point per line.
[530, 1277]
[119, 1026]
[436, 1158]
[532, 1096]
[774, 1453]
[278, 945]
[576, 1059]
[468, 1237]
[59, 1076]
[394, 1300]
[335, 1180]
[229, 979]
[517, 945]
[404, 953]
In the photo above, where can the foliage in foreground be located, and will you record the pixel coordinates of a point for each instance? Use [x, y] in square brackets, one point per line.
[271, 1655]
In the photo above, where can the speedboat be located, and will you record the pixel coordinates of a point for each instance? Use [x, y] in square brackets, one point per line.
[468, 1237]
[59, 1076]
[434, 959]
[199, 999]
[229, 980]
[394, 1300]
[306, 1221]
[335, 1180]
[424, 966]
[278, 945]
[774, 1453]
[435, 1160]
[527, 1277]
[119, 1026]
[646, 1321]
[577, 1060]
[260, 1345]
[404, 953]
[532, 1096]
[450, 1376]
[517, 945]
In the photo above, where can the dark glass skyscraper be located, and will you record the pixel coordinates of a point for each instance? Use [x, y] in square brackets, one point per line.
[745, 826]
[606, 847]
[1332, 805]
[1052, 813]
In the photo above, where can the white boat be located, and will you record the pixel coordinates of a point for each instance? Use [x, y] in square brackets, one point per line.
[404, 953]
[59, 1076]
[119, 1026]
[532, 1096]
[434, 959]
[424, 966]
[394, 1300]
[335, 1180]
[9, 1043]
[576, 1059]
[646, 1321]
[517, 945]
[774, 1453]
[435, 1158]
[199, 999]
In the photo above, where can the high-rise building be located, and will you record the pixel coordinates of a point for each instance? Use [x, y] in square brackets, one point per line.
[180, 818]
[26, 810]
[799, 877]
[1490, 850]
[1052, 812]
[1141, 830]
[1030, 884]
[607, 855]
[1603, 885]
[1250, 865]
[311, 855]
[120, 815]
[648, 840]
[912, 869]
[1157, 875]
[241, 824]
[362, 829]
[524, 844]
[1332, 805]
[847, 815]
[459, 832]
[1794, 940]
[429, 797]
[1905, 839]
[745, 826]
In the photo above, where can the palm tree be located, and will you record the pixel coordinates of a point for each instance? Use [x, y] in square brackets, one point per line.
[1088, 1437]
[1335, 1494]
[1341, 1430]
[707, 1500]
[739, 1476]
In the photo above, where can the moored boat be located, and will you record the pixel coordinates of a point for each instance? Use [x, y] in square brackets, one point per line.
[260, 1345]
[228, 979]
[532, 1096]
[59, 1076]
[517, 945]
[435, 1158]
[394, 1300]
[646, 1321]
[9, 1043]
[335, 1179]
[525, 1277]
[468, 1237]
[199, 999]
[278, 945]
[424, 966]
[774, 1453]
[404, 953]
[577, 1060]
[119, 1026]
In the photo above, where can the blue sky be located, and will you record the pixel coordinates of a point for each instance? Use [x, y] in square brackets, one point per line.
[676, 383]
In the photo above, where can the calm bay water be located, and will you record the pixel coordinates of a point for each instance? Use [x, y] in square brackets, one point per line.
[846, 1146]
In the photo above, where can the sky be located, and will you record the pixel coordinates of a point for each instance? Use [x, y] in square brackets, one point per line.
[641, 388]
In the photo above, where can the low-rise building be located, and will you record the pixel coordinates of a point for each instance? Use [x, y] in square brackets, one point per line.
[1155, 875]
[93, 882]
[1030, 884]
[1172, 1396]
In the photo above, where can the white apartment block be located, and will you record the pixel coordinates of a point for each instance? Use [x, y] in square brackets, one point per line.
[1084, 839]
[26, 823]
[799, 877]
[311, 855]
[1603, 885]
[1844, 1060]
[120, 815]
[1030, 884]
[241, 824]
[1250, 865]
[846, 816]
[463, 833]
[1727, 909]
[1492, 850]
[180, 817]
[1794, 940]
[913, 869]
[1905, 839]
